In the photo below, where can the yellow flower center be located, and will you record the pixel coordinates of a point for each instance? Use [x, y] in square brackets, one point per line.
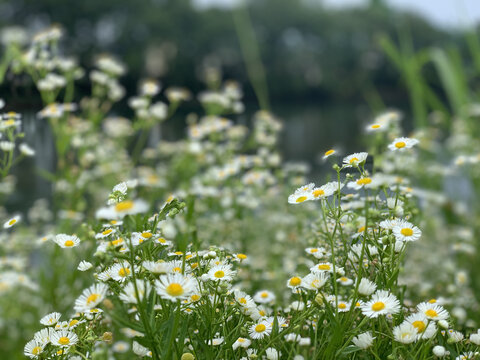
[264, 295]
[69, 243]
[73, 322]
[177, 269]
[174, 289]
[11, 222]
[260, 328]
[219, 274]
[419, 325]
[124, 206]
[343, 279]
[431, 313]
[318, 192]
[195, 297]
[262, 313]
[323, 267]
[124, 272]
[353, 160]
[64, 340]
[432, 301]
[241, 256]
[362, 229]
[378, 306]
[178, 253]
[147, 235]
[36, 350]
[116, 242]
[295, 281]
[364, 181]
[313, 251]
[301, 199]
[375, 126]
[92, 298]
[106, 232]
[406, 232]
[400, 144]
[342, 306]
[329, 152]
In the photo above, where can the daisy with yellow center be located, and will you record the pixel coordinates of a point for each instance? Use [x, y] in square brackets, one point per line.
[91, 297]
[33, 349]
[432, 311]
[426, 329]
[405, 231]
[221, 273]
[381, 303]
[120, 272]
[264, 297]
[400, 144]
[64, 338]
[175, 287]
[315, 281]
[329, 153]
[9, 223]
[324, 266]
[405, 333]
[66, 241]
[356, 159]
[260, 330]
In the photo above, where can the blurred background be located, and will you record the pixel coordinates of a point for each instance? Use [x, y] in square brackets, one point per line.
[324, 67]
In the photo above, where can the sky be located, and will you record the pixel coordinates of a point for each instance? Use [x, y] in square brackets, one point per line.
[445, 13]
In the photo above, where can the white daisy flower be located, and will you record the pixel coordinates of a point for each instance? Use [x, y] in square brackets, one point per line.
[366, 287]
[402, 143]
[299, 197]
[129, 295]
[355, 159]
[324, 266]
[140, 350]
[425, 329]
[294, 282]
[363, 340]
[264, 297]
[405, 333]
[156, 267]
[405, 231]
[315, 281]
[344, 281]
[221, 273]
[326, 190]
[64, 338]
[105, 233]
[11, 222]
[120, 272]
[329, 153]
[43, 336]
[91, 297]
[50, 319]
[33, 349]
[243, 299]
[260, 330]
[363, 182]
[382, 303]
[120, 347]
[84, 265]
[241, 342]
[432, 311]
[121, 209]
[175, 287]
[66, 241]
